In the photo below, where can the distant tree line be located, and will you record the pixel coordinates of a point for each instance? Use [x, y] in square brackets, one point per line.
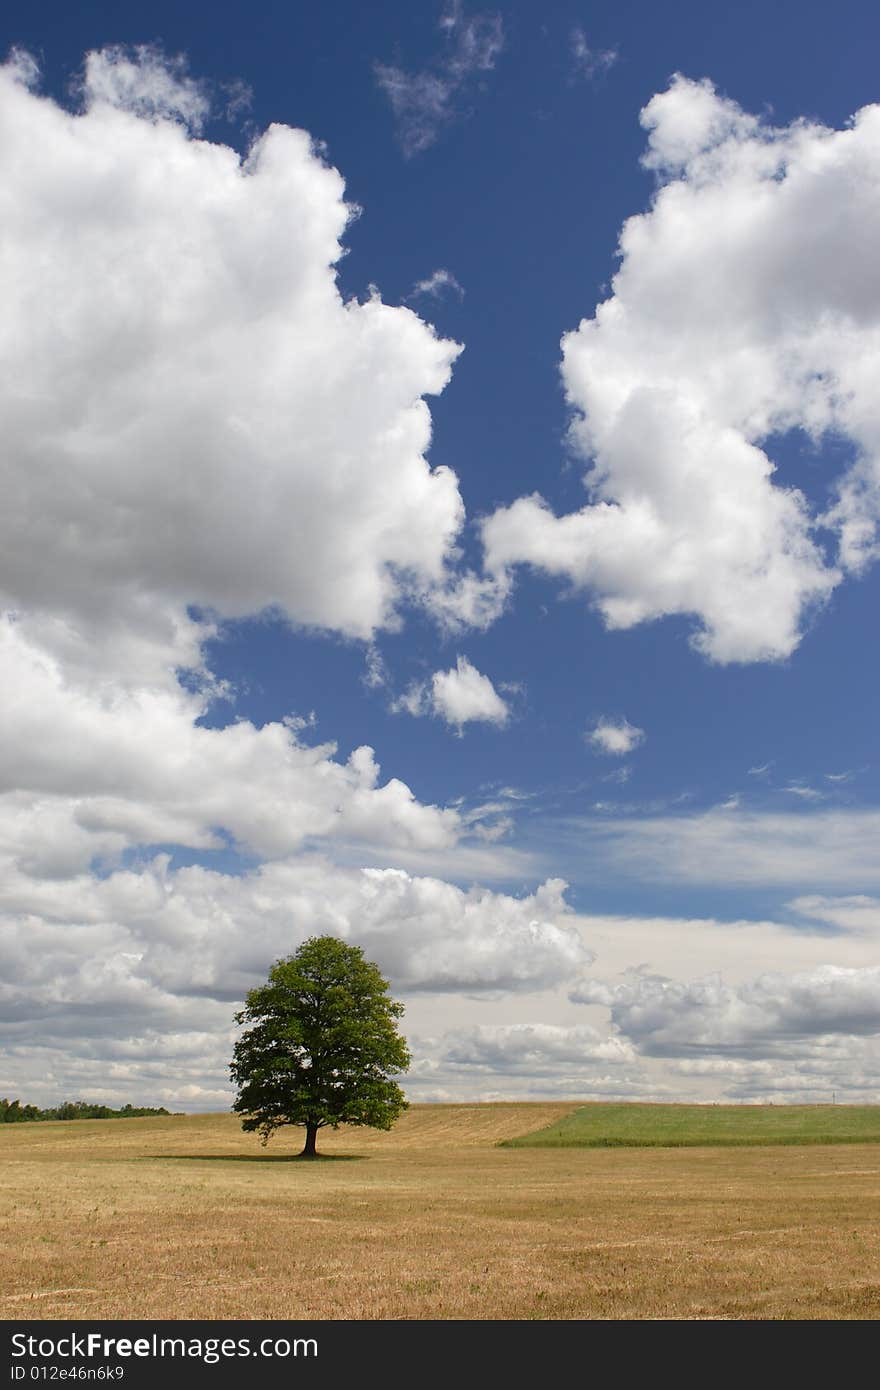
[13, 1112]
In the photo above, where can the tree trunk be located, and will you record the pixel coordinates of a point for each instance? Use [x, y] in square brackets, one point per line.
[309, 1150]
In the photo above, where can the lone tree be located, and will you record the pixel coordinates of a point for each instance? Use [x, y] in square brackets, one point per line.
[323, 1045]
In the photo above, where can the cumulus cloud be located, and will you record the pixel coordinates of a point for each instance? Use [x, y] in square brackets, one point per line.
[192, 414]
[196, 931]
[425, 102]
[145, 965]
[615, 737]
[745, 306]
[534, 1048]
[529, 1061]
[90, 768]
[461, 695]
[147, 82]
[770, 1014]
[823, 1070]
[438, 1083]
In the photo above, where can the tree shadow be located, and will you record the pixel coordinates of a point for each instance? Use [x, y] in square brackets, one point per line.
[253, 1158]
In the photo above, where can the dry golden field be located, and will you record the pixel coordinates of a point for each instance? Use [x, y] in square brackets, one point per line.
[187, 1217]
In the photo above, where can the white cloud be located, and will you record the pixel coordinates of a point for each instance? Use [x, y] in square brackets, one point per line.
[467, 600]
[489, 822]
[192, 415]
[857, 914]
[533, 1048]
[147, 83]
[589, 62]
[91, 766]
[681, 947]
[769, 1015]
[435, 285]
[747, 1010]
[734, 846]
[375, 670]
[824, 1070]
[446, 1086]
[461, 695]
[800, 789]
[745, 306]
[615, 737]
[620, 775]
[130, 973]
[425, 102]
[705, 979]
[415, 700]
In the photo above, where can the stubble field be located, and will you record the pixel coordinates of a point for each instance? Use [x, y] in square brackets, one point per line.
[187, 1217]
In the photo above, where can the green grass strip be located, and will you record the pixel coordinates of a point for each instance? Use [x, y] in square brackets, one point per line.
[601, 1126]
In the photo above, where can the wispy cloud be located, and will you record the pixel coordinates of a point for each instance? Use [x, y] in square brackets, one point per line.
[516, 794]
[436, 284]
[488, 822]
[814, 849]
[375, 669]
[620, 775]
[803, 791]
[588, 62]
[424, 102]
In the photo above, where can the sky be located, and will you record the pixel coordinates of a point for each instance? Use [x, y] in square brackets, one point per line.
[441, 485]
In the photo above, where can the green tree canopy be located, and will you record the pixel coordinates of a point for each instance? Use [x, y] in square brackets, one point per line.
[322, 1046]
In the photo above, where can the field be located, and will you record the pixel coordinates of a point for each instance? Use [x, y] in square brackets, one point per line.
[187, 1217]
[692, 1126]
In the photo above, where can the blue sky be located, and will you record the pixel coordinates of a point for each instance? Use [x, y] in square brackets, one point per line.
[596, 585]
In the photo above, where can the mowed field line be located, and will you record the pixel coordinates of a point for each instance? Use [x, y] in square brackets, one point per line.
[187, 1217]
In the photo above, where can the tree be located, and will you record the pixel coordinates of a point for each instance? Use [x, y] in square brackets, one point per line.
[323, 1045]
